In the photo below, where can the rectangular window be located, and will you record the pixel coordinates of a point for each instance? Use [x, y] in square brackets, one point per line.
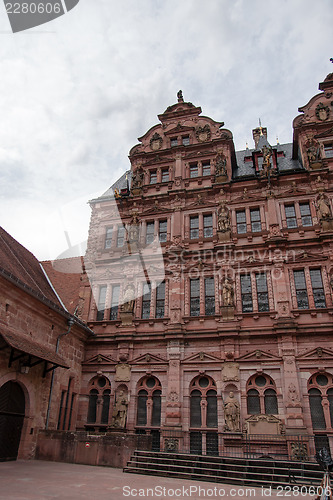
[108, 237]
[174, 142]
[101, 303]
[120, 236]
[162, 230]
[195, 297]
[114, 302]
[317, 288]
[153, 177]
[160, 300]
[255, 220]
[301, 291]
[150, 228]
[241, 221]
[209, 297]
[208, 225]
[193, 170]
[305, 214]
[262, 292]
[290, 216]
[246, 292]
[194, 228]
[186, 140]
[328, 150]
[165, 175]
[146, 301]
[206, 168]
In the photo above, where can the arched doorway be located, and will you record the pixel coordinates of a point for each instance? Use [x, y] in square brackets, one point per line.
[12, 410]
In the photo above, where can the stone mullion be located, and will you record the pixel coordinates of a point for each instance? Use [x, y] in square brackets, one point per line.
[202, 296]
[216, 288]
[298, 214]
[168, 228]
[292, 289]
[143, 233]
[187, 227]
[254, 292]
[327, 287]
[283, 217]
[309, 288]
[187, 296]
[199, 169]
[93, 309]
[139, 300]
[214, 222]
[107, 302]
[262, 218]
[248, 220]
[238, 294]
[152, 301]
[166, 299]
[270, 290]
[200, 225]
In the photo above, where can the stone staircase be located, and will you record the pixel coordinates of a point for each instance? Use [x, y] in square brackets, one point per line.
[241, 471]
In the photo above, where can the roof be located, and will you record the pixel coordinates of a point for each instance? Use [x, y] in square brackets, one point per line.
[21, 266]
[65, 276]
[120, 184]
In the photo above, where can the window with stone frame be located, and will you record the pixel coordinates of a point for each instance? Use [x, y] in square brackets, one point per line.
[305, 211]
[208, 225]
[262, 292]
[101, 303]
[195, 297]
[120, 236]
[160, 300]
[150, 231]
[261, 395]
[146, 298]
[209, 296]
[290, 216]
[153, 177]
[317, 288]
[149, 390]
[302, 292]
[255, 220]
[194, 172]
[99, 389]
[206, 170]
[301, 289]
[115, 293]
[173, 142]
[320, 391]
[194, 228]
[163, 231]
[203, 389]
[165, 175]
[186, 140]
[108, 237]
[246, 293]
[328, 148]
[241, 221]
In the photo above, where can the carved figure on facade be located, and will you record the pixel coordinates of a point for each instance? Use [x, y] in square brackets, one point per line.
[171, 444]
[133, 230]
[123, 373]
[299, 451]
[323, 207]
[128, 299]
[228, 293]
[230, 372]
[293, 397]
[120, 411]
[173, 396]
[266, 160]
[223, 218]
[220, 165]
[137, 180]
[322, 112]
[313, 151]
[203, 134]
[231, 414]
[180, 96]
[156, 142]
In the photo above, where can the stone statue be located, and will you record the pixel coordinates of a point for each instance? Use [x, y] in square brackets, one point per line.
[313, 151]
[180, 96]
[266, 163]
[231, 414]
[120, 411]
[220, 165]
[133, 230]
[223, 218]
[323, 207]
[137, 179]
[128, 299]
[228, 293]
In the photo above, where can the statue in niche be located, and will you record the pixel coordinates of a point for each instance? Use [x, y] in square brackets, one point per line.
[228, 293]
[128, 299]
[133, 230]
[231, 414]
[223, 218]
[313, 151]
[220, 165]
[120, 411]
[323, 207]
[137, 179]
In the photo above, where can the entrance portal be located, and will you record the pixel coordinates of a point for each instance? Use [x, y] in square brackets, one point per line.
[12, 410]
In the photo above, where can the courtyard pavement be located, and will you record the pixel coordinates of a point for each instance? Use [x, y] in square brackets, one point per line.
[41, 480]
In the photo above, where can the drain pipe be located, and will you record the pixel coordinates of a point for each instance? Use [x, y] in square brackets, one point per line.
[70, 323]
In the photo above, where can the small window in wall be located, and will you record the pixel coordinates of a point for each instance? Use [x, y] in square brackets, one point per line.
[193, 170]
[186, 140]
[328, 150]
[262, 292]
[150, 228]
[108, 237]
[317, 288]
[290, 216]
[146, 301]
[163, 230]
[160, 300]
[255, 220]
[120, 236]
[101, 303]
[165, 175]
[209, 296]
[305, 214]
[208, 225]
[114, 302]
[92, 406]
[246, 293]
[206, 168]
[194, 228]
[174, 142]
[153, 177]
[301, 290]
[142, 408]
[195, 297]
[253, 402]
[241, 221]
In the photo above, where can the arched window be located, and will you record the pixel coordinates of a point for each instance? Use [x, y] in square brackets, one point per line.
[100, 390]
[261, 396]
[149, 390]
[320, 388]
[203, 403]
[195, 420]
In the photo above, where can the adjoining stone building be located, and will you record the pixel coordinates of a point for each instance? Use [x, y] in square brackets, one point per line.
[211, 276]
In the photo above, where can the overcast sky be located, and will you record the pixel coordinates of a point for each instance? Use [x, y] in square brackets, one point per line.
[76, 93]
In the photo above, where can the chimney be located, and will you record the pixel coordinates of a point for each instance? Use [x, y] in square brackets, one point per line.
[257, 132]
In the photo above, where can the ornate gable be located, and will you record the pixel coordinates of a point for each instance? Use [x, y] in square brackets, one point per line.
[201, 357]
[100, 359]
[259, 356]
[148, 358]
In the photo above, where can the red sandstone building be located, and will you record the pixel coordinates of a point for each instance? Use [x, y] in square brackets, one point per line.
[208, 287]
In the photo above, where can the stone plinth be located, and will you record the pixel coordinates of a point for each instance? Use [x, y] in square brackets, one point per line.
[327, 224]
[228, 313]
[224, 235]
[126, 318]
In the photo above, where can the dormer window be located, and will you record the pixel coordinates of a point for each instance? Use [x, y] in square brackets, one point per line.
[174, 142]
[186, 140]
